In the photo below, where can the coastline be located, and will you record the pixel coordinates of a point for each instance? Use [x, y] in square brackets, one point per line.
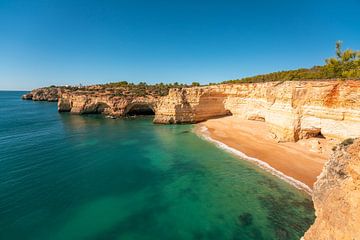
[255, 152]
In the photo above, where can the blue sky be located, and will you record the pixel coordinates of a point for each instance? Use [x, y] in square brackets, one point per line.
[71, 42]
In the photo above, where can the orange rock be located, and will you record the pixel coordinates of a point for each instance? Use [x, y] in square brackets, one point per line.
[336, 197]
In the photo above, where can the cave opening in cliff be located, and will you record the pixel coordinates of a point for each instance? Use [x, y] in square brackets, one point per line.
[100, 107]
[319, 135]
[140, 110]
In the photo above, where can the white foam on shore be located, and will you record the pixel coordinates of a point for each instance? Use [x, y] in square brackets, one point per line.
[203, 132]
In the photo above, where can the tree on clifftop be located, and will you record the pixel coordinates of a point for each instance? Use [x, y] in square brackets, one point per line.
[346, 64]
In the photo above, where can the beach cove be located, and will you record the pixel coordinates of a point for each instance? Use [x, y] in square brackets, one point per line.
[293, 162]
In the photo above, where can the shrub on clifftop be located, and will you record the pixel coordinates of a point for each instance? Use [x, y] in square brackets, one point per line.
[345, 65]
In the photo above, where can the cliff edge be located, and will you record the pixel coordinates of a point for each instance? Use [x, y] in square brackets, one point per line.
[336, 196]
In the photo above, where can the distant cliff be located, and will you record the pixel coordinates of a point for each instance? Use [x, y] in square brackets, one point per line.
[50, 94]
[107, 103]
[336, 196]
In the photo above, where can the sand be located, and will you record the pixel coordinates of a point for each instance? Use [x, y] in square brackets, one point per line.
[253, 139]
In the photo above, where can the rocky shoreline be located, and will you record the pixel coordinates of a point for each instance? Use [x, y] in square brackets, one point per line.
[49, 94]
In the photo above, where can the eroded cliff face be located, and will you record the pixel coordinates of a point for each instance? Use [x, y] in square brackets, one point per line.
[191, 105]
[336, 197]
[292, 110]
[85, 102]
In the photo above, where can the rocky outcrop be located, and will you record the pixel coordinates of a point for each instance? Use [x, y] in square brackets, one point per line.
[191, 105]
[336, 196]
[84, 102]
[292, 110]
[50, 94]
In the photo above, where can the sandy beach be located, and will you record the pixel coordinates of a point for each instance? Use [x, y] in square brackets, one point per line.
[253, 139]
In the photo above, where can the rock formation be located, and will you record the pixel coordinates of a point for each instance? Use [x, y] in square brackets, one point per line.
[292, 110]
[191, 105]
[336, 196]
[50, 94]
[85, 102]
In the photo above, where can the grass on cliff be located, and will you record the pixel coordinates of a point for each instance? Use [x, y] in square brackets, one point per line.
[345, 65]
[143, 89]
[124, 88]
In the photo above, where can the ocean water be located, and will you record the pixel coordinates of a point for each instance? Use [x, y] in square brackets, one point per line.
[72, 177]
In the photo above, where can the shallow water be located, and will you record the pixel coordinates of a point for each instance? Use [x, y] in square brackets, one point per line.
[64, 176]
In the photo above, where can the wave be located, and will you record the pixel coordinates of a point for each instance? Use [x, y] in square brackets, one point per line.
[203, 132]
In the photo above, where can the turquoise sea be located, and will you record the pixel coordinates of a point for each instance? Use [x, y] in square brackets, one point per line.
[72, 177]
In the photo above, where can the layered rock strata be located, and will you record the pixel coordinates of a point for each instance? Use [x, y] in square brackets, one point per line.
[292, 110]
[336, 196]
[82, 102]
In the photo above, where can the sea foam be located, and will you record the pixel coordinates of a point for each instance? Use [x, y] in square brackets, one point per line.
[204, 133]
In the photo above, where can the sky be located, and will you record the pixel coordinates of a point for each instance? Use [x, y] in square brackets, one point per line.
[58, 42]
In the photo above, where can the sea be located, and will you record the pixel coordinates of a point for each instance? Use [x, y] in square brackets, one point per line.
[71, 177]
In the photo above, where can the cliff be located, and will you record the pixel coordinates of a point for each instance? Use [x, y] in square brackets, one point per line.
[50, 94]
[292, 110]
[85, 102]
[336, 196]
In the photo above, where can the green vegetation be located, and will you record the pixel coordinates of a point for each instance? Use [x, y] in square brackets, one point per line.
[142, 88]
[345, 65]
[124, 88]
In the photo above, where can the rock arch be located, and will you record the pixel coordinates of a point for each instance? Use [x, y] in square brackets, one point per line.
[101, 107]
[139, 108]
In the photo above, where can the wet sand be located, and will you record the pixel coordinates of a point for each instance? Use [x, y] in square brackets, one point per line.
[253, 139]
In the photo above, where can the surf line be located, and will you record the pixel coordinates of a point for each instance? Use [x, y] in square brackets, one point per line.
[203, 132]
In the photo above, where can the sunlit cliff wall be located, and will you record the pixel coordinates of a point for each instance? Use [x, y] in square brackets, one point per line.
[336, 197]
[292, 110]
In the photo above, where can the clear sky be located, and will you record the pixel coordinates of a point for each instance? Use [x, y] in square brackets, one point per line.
[45, 42]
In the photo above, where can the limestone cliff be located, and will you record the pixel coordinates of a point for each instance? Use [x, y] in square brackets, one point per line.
[336, 196]
[84, 102]
[191, 105]
[50, 94]
[292, 110]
